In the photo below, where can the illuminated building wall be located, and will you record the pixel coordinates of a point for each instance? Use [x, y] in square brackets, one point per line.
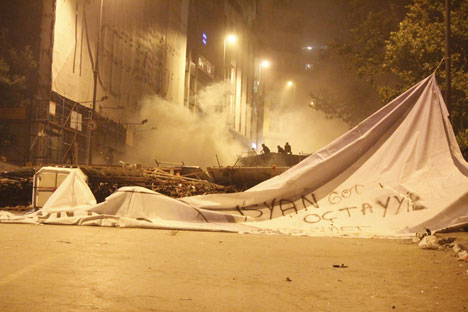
[141, 51]
[211, 59]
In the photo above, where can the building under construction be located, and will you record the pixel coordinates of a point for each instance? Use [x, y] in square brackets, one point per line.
[97, 59]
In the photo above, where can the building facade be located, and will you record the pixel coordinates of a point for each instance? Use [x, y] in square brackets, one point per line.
[97, 59]
[221, 49]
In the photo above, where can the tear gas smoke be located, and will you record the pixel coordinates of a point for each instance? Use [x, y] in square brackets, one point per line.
[175, 134]
[304, 128]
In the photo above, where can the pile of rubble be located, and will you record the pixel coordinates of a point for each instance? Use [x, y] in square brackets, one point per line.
[16, 185]
[103, 181]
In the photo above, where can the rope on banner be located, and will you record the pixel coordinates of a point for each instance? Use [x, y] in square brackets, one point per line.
[440, 63]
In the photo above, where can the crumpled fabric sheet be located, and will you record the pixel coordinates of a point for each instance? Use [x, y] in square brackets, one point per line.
[395, 174]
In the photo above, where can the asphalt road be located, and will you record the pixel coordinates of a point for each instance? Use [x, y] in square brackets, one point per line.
[73, 268]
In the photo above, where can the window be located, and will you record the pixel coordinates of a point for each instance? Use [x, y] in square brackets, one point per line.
[205, 66]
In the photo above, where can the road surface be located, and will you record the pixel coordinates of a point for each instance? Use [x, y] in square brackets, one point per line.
[78, 268]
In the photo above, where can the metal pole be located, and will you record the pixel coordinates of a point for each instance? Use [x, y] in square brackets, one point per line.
[447, 54]
[258, 104]
[224, 78]
[95, 72]
[294, 95]
[224, 60]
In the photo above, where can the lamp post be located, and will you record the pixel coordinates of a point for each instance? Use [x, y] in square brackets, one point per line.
[260, 95]
[95, 76]
[263, 64]
[293, 84]
[229, 39]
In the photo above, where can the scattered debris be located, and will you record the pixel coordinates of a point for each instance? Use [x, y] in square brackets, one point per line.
[446, 240]
[429, 242]
[433, 242]
[462, 255]
[421, 235]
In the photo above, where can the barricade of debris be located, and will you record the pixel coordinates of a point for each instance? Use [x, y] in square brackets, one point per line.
[103, 181]
[16, 184]
[16, 187]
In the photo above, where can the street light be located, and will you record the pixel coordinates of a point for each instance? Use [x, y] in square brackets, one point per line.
[229, 39]
[292, 84]
[260, 94]
[265, 64]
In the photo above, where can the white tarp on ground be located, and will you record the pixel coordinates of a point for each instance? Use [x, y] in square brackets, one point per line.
[394, 174]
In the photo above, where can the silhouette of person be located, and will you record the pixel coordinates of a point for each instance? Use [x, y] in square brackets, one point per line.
[287, 148]
[280, 150]
[265, 149]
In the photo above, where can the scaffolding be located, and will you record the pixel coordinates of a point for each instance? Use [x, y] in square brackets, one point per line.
[59, 132]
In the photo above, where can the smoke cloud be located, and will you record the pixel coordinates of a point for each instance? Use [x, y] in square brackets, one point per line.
[306, 129]
[176, 134]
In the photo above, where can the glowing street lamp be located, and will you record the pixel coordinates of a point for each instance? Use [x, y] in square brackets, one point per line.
[265, 64]
[229, 39]
[292, 84]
